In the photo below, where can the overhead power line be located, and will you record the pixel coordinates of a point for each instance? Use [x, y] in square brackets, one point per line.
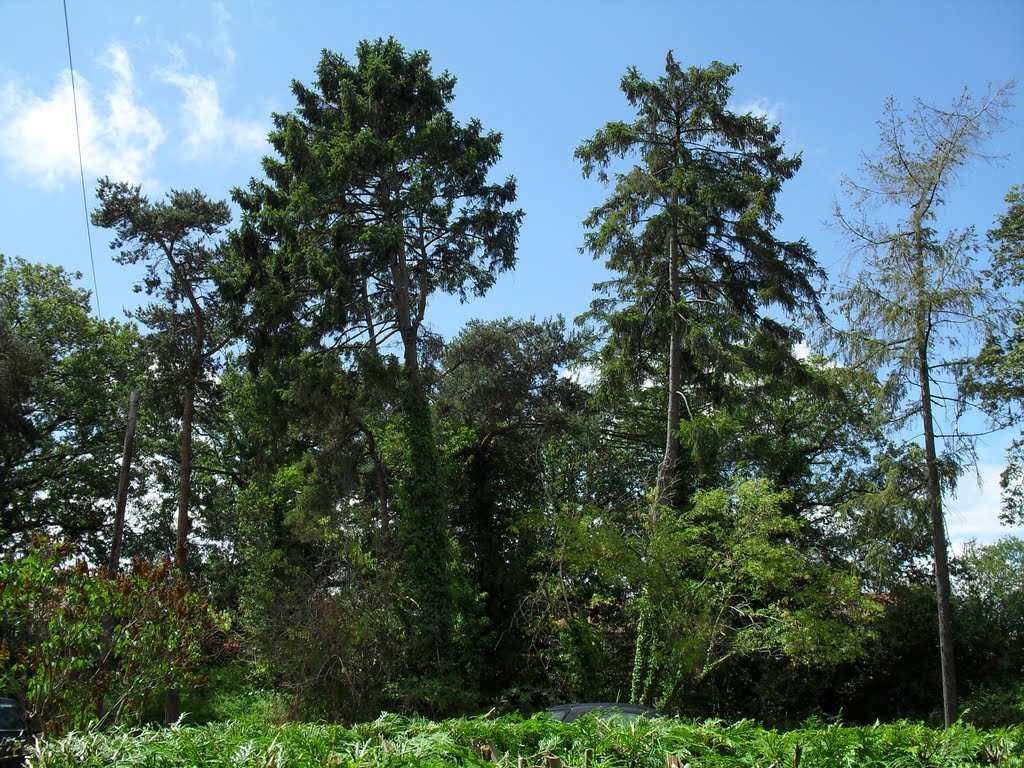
[81, 166]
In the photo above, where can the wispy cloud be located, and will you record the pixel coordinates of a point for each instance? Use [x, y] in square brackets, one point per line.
[974, 513]
[223, 17]
[208, 130]
[762, 107]
[119, 135]
[120, 132]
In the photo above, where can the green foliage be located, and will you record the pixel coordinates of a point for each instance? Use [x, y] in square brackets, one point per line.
[727, 579]
[85, 649]
[397, 523]
[396, 742]
[176, 240]
[501, 400]
[989, 602]
[376, 199]
[690, 232]
[64, 382]
[409, 210]
[996, 374]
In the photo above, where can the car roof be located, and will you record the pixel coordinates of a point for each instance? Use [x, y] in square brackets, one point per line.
[621, 705]
[569, 712]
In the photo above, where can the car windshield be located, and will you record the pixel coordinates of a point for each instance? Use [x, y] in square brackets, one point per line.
[10, 718]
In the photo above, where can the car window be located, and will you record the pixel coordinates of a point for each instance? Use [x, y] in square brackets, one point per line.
[11, 718]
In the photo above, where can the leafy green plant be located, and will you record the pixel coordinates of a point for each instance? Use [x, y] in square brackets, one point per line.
[85, 649]
[394, 741]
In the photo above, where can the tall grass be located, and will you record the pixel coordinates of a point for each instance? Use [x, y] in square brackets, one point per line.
[392, 741]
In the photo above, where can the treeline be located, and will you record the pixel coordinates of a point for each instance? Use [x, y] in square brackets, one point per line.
[665, 502]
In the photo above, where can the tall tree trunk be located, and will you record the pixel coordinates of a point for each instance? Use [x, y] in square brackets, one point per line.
[172, 700]
[934, 490]
[938, 524]
[669, 466]
[645, 656]
[185, 480]
[407, 326]
[123, 480]
[423, 526]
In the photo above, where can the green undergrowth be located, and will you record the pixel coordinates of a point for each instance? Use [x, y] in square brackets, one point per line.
[394, 741]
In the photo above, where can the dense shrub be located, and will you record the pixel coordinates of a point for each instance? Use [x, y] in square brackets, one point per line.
[82, 648]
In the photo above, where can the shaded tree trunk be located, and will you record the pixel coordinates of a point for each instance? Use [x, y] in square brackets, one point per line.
[947, 655]
[666, 481]
[934, 489]
[123, 481]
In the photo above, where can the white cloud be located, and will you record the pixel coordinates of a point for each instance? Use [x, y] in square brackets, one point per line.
[585, 375]
[761, 107]
[224, 19]
[208, 130]
[974, 513]
[119, 137]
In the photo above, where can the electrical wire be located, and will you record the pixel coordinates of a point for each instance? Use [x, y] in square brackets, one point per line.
[81, 166]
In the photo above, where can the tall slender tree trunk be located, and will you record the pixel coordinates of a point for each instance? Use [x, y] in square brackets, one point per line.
[185, 480]
[666, 481]
[423, 526]
[123, 481]
[940, 554]
[938, 524]
[172, 699]
[645, 654]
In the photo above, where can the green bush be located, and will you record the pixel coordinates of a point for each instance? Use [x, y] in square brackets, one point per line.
[82, 648]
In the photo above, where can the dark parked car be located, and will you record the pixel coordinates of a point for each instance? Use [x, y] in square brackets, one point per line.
[603, 709]
[14, 733]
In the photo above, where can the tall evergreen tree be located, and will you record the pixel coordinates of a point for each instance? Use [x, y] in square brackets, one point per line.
[377, 199]
[177, 240]
[690, 230]
[918, 298]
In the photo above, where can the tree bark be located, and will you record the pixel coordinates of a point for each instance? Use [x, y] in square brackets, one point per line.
[938, 524]
[124, 478]
[670, 461]
[646, 642]
[934, 488]
[172, 700]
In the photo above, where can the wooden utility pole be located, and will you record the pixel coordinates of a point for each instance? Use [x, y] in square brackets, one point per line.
[122, 485]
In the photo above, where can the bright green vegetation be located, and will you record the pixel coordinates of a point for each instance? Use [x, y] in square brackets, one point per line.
[397, 741]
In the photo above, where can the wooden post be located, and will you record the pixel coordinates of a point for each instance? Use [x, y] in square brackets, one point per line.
[122, 485]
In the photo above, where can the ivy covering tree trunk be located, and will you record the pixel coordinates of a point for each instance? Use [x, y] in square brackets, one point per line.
[377, 199]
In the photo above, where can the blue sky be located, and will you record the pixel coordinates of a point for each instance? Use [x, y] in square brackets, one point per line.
[179, 95]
